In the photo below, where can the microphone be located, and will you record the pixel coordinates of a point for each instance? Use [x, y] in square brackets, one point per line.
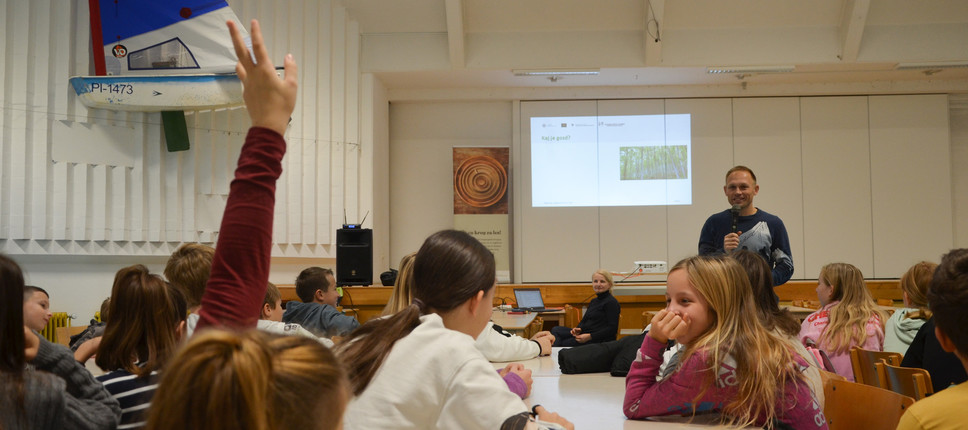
[734, 211]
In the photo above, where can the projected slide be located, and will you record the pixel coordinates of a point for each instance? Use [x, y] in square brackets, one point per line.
[633, 160]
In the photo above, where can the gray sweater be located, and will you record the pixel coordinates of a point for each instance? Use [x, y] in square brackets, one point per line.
[59, 393]
[320, 320]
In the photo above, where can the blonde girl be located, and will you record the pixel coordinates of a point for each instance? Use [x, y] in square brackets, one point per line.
[848, 317]
[726, 354]
[903, 325]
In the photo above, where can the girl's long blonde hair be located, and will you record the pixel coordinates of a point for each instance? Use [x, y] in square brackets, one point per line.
[401, 297]
[847, 326]
[764, 365]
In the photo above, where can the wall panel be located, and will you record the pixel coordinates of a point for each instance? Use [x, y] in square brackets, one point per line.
[836, 183]
[766, 138]
[911, 181]
[712, 156]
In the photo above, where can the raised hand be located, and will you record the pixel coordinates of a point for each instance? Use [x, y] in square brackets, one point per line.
[269, 100]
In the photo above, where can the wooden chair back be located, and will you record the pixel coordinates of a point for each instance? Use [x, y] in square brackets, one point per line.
[849, 405]
[911, 382]
[862, 361]
[533, 328]
[572, 316]
[63, 334]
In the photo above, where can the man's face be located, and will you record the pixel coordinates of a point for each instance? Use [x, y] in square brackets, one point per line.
[331, 296]
[740, 189]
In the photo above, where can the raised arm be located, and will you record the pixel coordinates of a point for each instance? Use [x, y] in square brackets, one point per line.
[240, 269]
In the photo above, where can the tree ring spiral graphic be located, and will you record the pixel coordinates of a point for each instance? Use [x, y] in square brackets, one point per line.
[480, 181]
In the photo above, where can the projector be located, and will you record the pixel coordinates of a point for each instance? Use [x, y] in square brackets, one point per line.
[651, 267]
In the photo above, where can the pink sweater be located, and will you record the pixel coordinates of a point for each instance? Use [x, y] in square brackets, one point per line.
[240, 270]
[815, 324]
[646, 397]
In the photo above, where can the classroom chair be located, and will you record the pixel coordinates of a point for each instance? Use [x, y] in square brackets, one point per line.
[63, 334]
[849, 405]
[862, 361]
[911, 382]
[572, 316]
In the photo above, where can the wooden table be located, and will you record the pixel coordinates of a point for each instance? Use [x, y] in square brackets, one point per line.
[590, 400]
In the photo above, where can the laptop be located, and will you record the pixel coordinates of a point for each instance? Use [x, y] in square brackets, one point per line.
[529, 300]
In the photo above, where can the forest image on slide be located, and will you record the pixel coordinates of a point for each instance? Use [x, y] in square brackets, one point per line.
[654, 162]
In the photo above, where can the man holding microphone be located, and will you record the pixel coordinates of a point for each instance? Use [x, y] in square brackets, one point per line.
[744, 226]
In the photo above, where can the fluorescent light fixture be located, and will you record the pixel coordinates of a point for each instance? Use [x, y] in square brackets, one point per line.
[932, 65]
[749, 69]
[553, 72]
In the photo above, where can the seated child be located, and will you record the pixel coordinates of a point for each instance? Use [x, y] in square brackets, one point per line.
[496, 346]
[926, 353]
[41, 386]
[418, 367]
[188, 269]
[316, 288]
[948, 299]
[903, 325]
[725, 357]
[135, 349]
[848, 317]
[779, 321]
[94, 329]
[36, 308]
[271, 319]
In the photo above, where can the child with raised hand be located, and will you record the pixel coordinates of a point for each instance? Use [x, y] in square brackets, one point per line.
[730, 363]
[241, 378]
[848, 317]
[418, 368]
[904, 323]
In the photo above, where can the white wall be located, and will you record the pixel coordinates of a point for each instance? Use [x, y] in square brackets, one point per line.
[85, 192]
[422, 136]
[861, 179]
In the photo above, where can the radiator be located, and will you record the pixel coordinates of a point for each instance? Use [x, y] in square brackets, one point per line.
[58, 319]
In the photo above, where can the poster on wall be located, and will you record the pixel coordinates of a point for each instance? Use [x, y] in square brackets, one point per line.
[481, 201]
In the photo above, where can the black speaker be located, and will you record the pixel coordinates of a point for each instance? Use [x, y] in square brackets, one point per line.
[354, 256]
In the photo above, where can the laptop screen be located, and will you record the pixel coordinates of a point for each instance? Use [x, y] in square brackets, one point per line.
[528, 298]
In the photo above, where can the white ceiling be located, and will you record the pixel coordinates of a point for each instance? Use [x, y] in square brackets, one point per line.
[431, 45]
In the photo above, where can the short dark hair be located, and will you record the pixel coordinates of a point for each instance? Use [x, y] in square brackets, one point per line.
[741, 168]
[29, 290]
[948, 298]
[310, 280]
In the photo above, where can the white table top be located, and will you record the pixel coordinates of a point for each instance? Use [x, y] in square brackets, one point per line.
[512, 322]
[590, 400]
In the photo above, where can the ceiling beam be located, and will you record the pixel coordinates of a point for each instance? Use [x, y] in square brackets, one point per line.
[455, 32]
[852, 28]
[653, 41]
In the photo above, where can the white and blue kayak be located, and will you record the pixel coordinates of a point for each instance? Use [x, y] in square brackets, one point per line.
[160, 55]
